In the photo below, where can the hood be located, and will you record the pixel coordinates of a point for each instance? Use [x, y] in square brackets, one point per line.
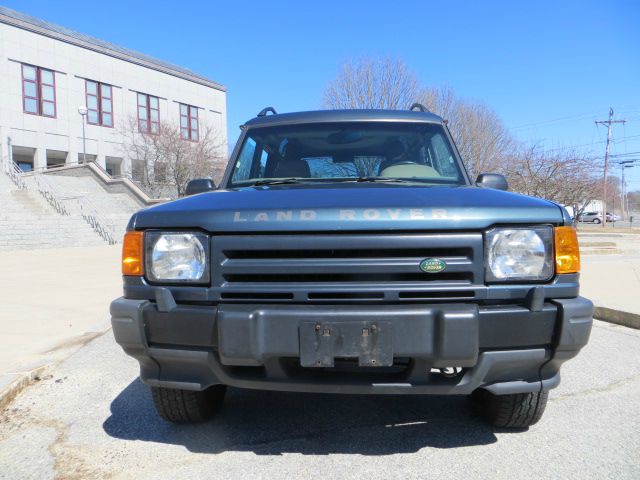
[348, 207]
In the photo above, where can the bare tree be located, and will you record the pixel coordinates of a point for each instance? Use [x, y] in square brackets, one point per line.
[163, 163]
[633, 200]
[481, 137]
[484, 142]
[372, 83]
[565, 177]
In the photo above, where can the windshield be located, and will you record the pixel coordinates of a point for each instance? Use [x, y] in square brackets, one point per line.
[346, 152]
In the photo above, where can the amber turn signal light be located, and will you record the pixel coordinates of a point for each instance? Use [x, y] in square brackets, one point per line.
[132, 254]
[567, 250]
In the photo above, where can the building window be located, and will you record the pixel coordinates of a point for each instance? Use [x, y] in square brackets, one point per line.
[189, 122]
[137, 170]
[38, 91]
[99, 103]
[148, 113]
[160, 172]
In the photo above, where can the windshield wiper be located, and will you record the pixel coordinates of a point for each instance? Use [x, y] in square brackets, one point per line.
[379, 180]
[275, 181]
[386, 179]
[293, 180]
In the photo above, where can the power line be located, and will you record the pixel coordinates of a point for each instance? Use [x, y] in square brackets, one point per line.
[625, 138]
[553, 120]
[599, 142]
[616, 155]
[570, 117]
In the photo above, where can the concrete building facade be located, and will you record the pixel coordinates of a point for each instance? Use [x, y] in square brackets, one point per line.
[49, 72]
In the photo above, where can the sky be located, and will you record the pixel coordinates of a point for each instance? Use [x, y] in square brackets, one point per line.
[548, 68]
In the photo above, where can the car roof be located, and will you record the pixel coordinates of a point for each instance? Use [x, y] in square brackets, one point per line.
[332, 116]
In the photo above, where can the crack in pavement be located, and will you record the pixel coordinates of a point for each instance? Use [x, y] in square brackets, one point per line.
[67, 463]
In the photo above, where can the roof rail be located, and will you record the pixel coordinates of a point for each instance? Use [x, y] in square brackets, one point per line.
[264, 111]
[419, 106]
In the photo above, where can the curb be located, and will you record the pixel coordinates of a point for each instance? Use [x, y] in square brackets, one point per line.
[11, 384]
[619, 317]
[599, 251]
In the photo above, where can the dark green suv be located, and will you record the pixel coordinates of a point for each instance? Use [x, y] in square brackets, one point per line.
[350, 252]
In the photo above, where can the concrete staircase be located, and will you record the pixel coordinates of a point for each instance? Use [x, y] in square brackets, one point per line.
[114, 209]
[27, 221]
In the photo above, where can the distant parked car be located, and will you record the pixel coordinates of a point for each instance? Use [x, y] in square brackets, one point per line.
[591, 217]
[596, 217]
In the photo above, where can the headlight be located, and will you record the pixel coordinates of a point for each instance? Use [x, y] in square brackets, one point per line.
[177, 257]
[519, 254]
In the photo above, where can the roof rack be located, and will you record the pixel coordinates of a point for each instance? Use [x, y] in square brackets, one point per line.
[419, 106]
[264, 111]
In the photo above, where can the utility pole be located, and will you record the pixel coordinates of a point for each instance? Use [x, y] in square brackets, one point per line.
[608, 123]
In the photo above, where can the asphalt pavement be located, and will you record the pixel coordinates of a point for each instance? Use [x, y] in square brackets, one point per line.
[93, 418]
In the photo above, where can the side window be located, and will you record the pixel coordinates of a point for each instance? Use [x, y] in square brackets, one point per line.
[263, 164]
[442, 157]
[242, 169]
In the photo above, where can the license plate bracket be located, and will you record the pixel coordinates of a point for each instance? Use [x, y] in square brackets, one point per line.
[371, 342]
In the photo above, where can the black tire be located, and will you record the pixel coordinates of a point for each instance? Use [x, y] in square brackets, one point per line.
[518, 410]
[185, 406]
[597, 221]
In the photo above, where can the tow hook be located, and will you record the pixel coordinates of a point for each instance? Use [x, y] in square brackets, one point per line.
[450, 372]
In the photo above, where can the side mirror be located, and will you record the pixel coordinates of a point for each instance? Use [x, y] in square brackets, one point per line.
[200, 185]
[492, 180]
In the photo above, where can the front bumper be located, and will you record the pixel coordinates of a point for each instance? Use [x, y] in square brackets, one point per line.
[505, 349]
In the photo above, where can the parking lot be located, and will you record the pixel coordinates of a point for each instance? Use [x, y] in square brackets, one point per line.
[92, 418]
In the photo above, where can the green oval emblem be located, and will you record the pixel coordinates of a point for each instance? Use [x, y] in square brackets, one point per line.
[432, 265]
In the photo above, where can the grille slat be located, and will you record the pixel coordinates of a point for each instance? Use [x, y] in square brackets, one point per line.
[283, 278]
[332, 265]
[345, 265]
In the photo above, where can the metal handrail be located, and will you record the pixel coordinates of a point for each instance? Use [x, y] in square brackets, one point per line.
[49, 194]
[88, 211]
[91, 215]
[15, 174]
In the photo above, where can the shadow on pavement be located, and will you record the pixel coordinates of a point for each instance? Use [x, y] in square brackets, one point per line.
[272, 423]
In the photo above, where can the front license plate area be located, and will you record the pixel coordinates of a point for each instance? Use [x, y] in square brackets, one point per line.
[322, 342]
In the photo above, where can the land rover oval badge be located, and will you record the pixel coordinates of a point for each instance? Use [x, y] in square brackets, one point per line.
[432, 265]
